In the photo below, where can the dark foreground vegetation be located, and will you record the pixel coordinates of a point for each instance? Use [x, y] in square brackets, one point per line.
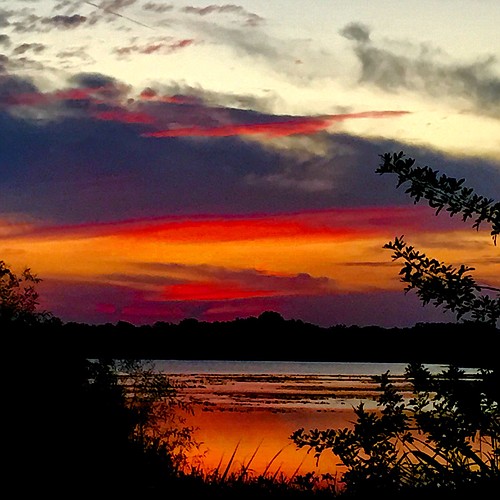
[85, 416]
[116, 428]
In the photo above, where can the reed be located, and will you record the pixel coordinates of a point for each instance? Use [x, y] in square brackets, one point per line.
[231, 480]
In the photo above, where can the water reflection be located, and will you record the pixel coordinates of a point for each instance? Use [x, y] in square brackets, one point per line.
[253, 408]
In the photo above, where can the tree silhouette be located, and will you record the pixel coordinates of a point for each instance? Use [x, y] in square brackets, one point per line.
[445, 438]
[437, 282]
[19, 298]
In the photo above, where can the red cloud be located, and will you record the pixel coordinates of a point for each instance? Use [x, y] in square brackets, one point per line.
[303, 125]
[239, 229]
[329, 223]
[121, 115]
[41, 98]
[212, 290]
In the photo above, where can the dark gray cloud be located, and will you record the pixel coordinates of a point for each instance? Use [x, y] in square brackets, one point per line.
[88, 161]
[27, 19]
[11, 85]
[66, 22]
[356, 31]
[4, 61]
[478, 81]
[5, 16]
[29, 47]
[160, 8]
[5, 40]
[26, 23]
[65, 4]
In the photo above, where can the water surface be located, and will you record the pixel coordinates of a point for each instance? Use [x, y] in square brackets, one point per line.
[252, 406]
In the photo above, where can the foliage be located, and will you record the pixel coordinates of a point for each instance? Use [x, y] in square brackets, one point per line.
[444, 284]
[159, 411]
[442, 192]
[19, 298]
[434, 281]
[133, 429]
[446, 437]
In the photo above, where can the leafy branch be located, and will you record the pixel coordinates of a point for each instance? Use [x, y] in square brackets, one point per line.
[442, 192]
[441, 437]
[436, 282]
[441, 284]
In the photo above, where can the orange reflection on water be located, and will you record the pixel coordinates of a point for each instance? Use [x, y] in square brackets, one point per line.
[262, 436]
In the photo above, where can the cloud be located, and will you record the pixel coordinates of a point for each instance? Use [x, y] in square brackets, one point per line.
[70, 53]
[26, 22]
[87, 136]
[183, 287]
[98, 303]
[159, 8]
[65, 22]
[11, 85]
[95, 93]
[5, 40]
[161, 47]
[251, 19]
[356, 31]
[477, 82]
[4, 61]
[301, 125]
[180, 115]
[109, 10]
[182, 93]
[204, 282]
[338, 224]
[299, 60]
[120, 115]
[29, 47]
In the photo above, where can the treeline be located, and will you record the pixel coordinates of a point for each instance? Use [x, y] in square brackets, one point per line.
[271, 337]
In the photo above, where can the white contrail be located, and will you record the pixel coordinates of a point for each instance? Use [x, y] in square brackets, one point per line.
[119, 15]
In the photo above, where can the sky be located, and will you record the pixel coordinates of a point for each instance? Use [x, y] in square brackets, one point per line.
[187, 159]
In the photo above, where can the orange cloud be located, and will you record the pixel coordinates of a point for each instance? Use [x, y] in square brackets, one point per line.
[303, 125]
[145, 268]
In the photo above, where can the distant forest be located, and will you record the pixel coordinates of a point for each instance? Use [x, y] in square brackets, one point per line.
[271, 337]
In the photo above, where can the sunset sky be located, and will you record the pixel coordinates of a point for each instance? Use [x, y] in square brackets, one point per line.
[163, 160]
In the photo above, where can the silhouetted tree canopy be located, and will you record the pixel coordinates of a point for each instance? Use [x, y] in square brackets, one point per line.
[434, 281]
[19, 298]
[443, 440]
[442, 192]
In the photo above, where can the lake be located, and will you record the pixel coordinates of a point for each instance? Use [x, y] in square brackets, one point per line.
[254, 406]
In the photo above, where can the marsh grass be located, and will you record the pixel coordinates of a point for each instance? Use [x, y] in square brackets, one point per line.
[234, 479]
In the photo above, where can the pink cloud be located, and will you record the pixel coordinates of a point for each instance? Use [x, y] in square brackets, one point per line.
[302, 125]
